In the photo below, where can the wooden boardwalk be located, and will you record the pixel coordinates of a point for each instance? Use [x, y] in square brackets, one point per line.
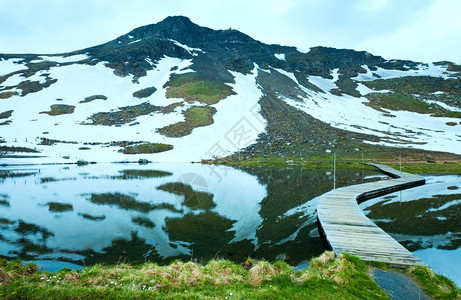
[347, 229]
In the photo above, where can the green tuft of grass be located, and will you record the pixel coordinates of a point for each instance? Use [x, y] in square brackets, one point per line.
[435, 285]
[399, 101]
[196, 116]
[92, 98]
[59, 109]
[59, 207]
[144, 93]
[6, 114]
[6, 95]
[336, 278]
[454, 67]
[328, 277]
[192, 88]
[146, 148]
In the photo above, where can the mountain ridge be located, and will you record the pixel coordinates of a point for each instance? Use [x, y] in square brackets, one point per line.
[176, 79]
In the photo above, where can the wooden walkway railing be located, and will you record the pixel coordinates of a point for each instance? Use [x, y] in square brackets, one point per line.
[347, 229]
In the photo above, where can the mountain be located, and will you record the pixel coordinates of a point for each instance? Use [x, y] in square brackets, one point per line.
[176, 91]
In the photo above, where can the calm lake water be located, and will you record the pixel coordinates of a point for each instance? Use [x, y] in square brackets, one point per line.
[426, 220]
[74, 216]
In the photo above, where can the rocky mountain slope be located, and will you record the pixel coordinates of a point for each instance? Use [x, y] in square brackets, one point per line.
[175, 91]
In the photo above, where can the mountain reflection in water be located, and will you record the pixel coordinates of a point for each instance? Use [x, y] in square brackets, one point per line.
[109, 213]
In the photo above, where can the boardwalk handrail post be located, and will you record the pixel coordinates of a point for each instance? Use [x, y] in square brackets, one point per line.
[334, 170]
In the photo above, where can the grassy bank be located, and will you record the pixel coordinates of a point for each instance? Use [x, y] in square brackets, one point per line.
[411, 164]
[344, 277]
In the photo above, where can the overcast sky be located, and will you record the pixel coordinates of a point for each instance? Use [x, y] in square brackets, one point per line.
[421, 30]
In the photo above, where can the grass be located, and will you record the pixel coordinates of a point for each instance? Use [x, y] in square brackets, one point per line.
[196, 116]
[92, 98]
[400, 101]
[128, 114]
[454, 67]
[6, 95]
[6, 114]
[437, 286]
[446, 167]
[411, 91]
[59, 109]
[144, 93]
[344, 277]
[410, 164]
[59, 207]
[17, 149]
[146, 148]
[191, 87]
[124, 115]
[414, 84]
[313, 162]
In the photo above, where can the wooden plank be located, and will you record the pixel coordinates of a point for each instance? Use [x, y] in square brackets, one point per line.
[348, 230]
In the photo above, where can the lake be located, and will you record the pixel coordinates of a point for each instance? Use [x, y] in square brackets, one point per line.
[74, 216]
[426, 220]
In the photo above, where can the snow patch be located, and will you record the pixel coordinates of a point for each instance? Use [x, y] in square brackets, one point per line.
[68, 59]
[335, 74]
[349, 113]
[237, 123]
[303, 50]
[13, 80]
[280, 56]
[187, 48]
[134, 42]
[443, 105]
[324, 84]
[423, 70]
[11, 65]
[287, 74]
[445, 206]
[364, 90]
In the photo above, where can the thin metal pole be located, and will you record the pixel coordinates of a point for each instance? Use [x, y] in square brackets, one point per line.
[334, 170]
[400, 161]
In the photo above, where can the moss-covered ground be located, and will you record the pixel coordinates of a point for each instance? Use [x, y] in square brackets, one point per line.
[411, 162]
[191, 87]
[327, 277]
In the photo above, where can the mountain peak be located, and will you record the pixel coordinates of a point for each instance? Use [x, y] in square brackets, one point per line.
[176, 20]
[179, 28]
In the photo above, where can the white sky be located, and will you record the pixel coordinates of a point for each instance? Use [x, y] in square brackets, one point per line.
[421, 30]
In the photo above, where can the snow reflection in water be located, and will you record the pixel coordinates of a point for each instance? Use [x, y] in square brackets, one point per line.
[69, 216]
[426, 220]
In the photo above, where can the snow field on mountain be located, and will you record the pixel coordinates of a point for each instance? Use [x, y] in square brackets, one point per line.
[8, 66]
[235, 114]
[405, 129]
[237, 124]
[423, 70]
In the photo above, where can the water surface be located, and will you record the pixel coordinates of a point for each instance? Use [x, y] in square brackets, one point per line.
[426, 220]
[74, 216]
